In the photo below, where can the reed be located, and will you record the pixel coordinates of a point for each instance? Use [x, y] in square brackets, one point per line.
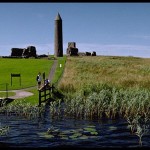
[139, 125]
[106, 86]
[3, 129]
[23, 109]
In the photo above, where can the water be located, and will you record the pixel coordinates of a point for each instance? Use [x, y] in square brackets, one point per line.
[69, 133]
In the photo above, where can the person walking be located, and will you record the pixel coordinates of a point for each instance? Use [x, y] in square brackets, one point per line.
[46, 83]
[39, 80]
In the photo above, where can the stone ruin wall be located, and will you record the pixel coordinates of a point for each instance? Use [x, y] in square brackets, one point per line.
[73, 51]
[30, 51]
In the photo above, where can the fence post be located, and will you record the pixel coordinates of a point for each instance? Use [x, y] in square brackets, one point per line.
[39, 98]
[49, 93]
[52, 88]
[20, 79]
[11, 79]
[45, 93]
[15, 75]
[6, 90]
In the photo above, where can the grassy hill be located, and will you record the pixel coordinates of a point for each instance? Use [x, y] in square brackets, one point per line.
[106, 86]
[116, 71]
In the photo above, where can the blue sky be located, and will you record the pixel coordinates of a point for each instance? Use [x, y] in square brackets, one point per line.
[120, 29]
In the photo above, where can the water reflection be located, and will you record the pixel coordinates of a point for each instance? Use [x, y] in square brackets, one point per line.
[45, 131]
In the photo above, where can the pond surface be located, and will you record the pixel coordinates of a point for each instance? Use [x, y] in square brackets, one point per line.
[60, 132]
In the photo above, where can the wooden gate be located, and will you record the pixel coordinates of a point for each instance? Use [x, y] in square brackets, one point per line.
[45, 93]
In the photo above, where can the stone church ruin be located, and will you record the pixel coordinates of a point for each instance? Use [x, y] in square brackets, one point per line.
[30, 51]
[72, 50]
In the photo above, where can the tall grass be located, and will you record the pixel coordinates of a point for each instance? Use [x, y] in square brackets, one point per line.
[23, 109]
[108, 102]
[116, 71]
[106, 86]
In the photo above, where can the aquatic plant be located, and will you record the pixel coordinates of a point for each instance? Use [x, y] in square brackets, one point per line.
[2, 102]
[110, 104]
[3, 129]
[82, 133]
[139, 125]
[19, 108]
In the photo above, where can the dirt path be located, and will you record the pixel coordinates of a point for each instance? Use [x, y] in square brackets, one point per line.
[52, 71]
[23, 93]
[20, 94]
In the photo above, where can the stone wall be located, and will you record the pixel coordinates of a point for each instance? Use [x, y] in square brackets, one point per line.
[16, 52]
[30, 51]
[72, 50]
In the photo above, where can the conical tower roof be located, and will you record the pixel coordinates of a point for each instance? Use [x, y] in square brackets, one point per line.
[58, 17]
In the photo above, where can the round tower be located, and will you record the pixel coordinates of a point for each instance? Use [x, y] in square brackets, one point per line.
[58, 43]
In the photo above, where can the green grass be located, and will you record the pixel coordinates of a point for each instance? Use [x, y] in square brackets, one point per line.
[59, 70]
[32, 100]
[4, 94]
[109, 86]
[96, 85]
[28, 68]
[116, 71]
[36, 65]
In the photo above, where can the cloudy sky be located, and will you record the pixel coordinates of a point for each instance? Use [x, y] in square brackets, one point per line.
[120, 29]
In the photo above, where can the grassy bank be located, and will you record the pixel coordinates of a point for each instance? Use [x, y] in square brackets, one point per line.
[106, 86]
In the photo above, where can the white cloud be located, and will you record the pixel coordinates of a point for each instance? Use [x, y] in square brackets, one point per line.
[101, 49]
[116, 49]
[145, 37]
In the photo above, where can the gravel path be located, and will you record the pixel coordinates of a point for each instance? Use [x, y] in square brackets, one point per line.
[23, 93]
[52, 71]
[20, 94]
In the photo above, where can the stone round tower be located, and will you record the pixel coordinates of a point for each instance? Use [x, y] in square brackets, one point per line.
[58, 44]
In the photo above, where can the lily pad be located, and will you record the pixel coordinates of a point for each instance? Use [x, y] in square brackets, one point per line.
[64, 138]
[111, 128]
[90, 129]
[75, 135]
[94, 133]
[68, 131]
[79, 130]
[62, 135]
[45, 135]
[91, 126]
[84, 137]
